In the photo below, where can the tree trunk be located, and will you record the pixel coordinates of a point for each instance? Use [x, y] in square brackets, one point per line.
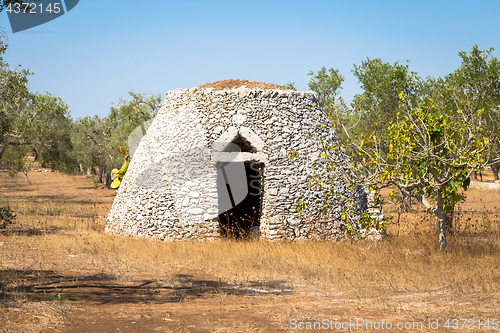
[107, 179]
[2, 148]
[474, 175]
[495, 168]
[443, 245]
[36, 155]
[81, 168]
[99, 175]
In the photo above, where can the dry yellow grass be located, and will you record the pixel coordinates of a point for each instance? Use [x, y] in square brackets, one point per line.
[405, 275]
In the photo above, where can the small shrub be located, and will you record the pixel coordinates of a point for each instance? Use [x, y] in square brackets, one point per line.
[7, 216]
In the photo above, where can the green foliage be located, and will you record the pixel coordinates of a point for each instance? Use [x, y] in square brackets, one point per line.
[382, 83]
[128, 115]
[36, 126]
[7, 217]
[290, 85]
[475, 84]
[39, 128]
[98, 140]
[86, 134]
[18, 160]
[423, 139]
[431, 154]
[31, 124]
[327, 173]
[14, 95]
[478, 77]
[326, 84]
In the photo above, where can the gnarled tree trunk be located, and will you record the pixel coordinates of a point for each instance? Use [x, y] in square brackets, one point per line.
[2, 148]
[99, 175]
[443, 244]
[441, 219]
[495, 167]
[107, 179]
[474, 175]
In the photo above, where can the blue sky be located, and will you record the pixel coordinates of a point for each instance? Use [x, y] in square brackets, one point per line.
[93, 55]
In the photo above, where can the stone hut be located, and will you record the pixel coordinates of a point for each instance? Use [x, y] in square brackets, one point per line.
[216, 162]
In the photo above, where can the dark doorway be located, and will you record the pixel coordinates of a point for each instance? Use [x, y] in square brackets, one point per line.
[238, 221]
[243, 145]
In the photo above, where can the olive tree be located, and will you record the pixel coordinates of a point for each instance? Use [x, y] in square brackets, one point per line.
[99, 142]
[429, 147]
[14, 96]
[476, 82]
[32, 124]
[326, 84]
[39, 130]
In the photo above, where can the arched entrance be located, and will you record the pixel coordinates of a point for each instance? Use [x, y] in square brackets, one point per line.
[240, 168]
[238, 221]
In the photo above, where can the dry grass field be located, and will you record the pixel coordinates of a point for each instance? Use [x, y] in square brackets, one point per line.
[59, 272]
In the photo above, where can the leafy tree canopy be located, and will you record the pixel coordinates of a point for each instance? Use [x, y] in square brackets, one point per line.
[382, 83]
[326, 84]
[98, 141]
[422, 138]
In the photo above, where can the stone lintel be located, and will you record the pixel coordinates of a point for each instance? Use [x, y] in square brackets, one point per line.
[238, 157]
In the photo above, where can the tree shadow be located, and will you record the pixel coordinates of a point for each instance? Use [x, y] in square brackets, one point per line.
[198, 286]
[30, 231]
[46, 285]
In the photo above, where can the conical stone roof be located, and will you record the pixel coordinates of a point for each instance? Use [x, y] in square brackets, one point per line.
[210, 148]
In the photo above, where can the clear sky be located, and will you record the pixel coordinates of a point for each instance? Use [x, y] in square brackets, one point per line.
[93, 55]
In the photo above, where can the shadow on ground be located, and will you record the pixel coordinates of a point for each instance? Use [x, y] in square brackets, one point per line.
[43, 285]
[30, 231]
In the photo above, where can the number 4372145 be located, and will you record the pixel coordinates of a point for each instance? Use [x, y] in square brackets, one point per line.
[33, 8]
[460, 324]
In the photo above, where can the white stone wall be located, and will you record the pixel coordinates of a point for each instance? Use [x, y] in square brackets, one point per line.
[164, 194]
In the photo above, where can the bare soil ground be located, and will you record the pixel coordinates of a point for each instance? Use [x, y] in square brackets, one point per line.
[59, 272]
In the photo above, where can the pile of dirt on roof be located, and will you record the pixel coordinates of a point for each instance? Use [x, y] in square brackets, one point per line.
[233, 84]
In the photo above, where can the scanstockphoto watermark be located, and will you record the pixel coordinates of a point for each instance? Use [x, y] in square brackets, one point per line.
[31, 13]
[354, 324]
[387, 325]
